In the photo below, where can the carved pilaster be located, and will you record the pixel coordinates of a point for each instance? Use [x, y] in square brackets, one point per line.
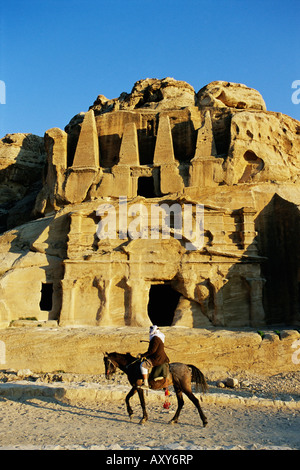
[104, 286]
[257, 314]
[203, 164]
[74, 234]
[67, 315]
[138, 302]
[129, 151]
[87, 150]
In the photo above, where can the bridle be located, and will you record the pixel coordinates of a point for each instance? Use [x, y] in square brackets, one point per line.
[110, 366]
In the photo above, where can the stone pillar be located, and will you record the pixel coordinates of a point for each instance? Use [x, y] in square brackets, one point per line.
[164, 151]
[67, 314]
[87, 149]
[122, 181]
[129, 151]
[138, 311]
[86, 161]
[138, 292]
[204, 161]
[205, 146]
[202, 173]
[248, 232]
[257, 314]
[217, 285]
[78, 183]
[104, 286]
[56, 141]
[74, 236]
[217, 229]
[211, 289]
[170, 179]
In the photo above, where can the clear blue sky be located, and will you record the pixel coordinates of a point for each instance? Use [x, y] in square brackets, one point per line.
[56, 56]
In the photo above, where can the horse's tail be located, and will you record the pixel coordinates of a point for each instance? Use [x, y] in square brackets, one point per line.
[198, 377]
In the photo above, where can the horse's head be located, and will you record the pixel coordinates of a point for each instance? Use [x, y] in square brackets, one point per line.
[110, 365]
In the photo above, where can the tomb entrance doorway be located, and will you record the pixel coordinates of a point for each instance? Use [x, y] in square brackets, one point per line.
[163, 300]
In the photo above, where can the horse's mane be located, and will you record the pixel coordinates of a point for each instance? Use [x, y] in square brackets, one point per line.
[129, 357]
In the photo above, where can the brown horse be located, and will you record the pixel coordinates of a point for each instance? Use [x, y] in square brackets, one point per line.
[180, 376]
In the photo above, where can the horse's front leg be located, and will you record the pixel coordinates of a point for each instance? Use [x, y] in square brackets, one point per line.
[143, 405]
[128, 396]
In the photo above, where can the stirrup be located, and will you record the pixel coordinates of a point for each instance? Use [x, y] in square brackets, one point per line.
[145, 386]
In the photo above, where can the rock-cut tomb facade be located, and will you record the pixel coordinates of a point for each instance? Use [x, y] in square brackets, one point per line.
[124, 166]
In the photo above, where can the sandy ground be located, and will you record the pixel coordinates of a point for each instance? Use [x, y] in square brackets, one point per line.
[45, 424]
[49, 424]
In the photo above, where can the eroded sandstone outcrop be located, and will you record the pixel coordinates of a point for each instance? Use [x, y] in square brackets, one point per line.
[168, 148]
[150, 93]
[22, 163]
[221, 94]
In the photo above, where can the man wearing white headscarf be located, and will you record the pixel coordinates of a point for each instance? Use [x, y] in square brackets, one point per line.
[155, 355]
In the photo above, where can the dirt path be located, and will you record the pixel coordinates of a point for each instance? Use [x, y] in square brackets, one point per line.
[40, 422]
[48, 424]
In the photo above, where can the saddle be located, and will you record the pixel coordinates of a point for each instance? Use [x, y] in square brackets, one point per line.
[158, 376]
[159, 372]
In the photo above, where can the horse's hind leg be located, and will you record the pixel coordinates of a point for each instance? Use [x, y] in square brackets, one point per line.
[128, 396]
[195, 400]
[180, 403]
[143, 405]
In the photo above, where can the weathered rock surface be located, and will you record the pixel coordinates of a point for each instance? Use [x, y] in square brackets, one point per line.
[22, 162]
[150, 93]
[218, 353]
[221, 94]
[263, 148]
[162, 145]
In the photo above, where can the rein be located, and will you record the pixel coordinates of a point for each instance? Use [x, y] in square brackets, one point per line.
[109, 361]
[133, 362]
[115, 364]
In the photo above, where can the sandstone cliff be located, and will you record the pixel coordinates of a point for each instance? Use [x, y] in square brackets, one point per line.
[163, 143]
[22, 163]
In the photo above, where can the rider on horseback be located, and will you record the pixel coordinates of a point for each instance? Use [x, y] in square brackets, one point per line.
[155, 355]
